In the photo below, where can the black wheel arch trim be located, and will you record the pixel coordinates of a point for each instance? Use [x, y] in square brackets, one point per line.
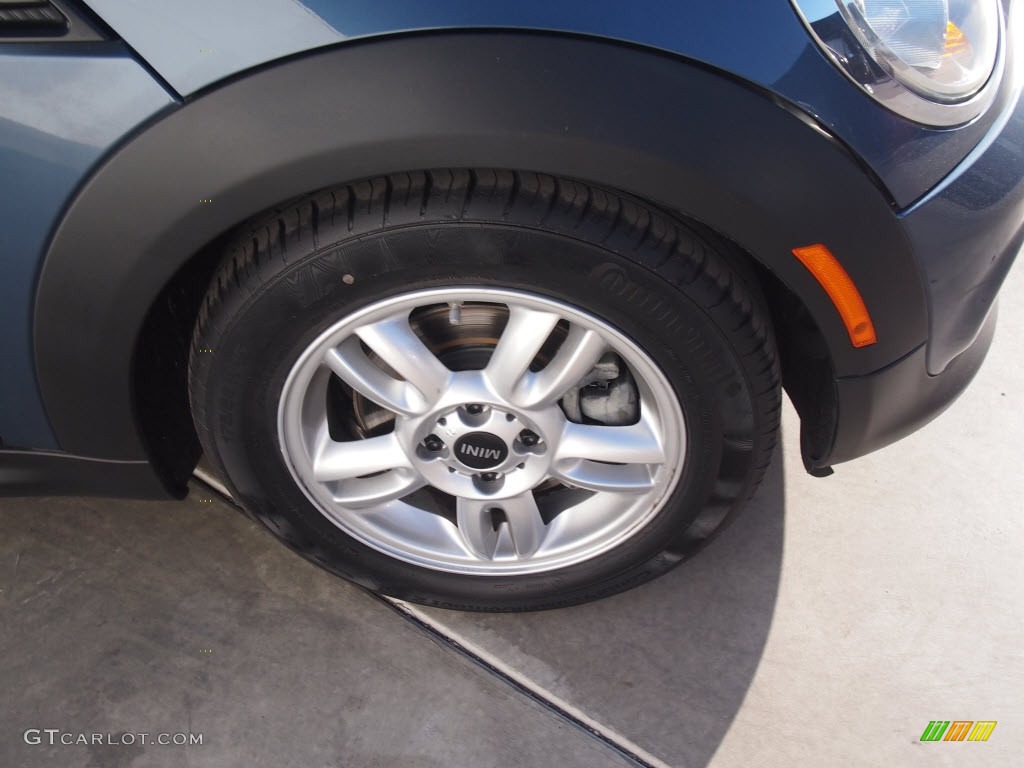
[686, 138]
[30, 473]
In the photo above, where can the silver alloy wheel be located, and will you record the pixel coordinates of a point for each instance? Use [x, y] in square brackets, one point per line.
[493, 442]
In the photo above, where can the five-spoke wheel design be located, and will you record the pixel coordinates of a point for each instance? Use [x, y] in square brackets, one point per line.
[481, 431]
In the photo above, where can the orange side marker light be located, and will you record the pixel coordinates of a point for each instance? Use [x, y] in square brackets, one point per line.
[840, 289]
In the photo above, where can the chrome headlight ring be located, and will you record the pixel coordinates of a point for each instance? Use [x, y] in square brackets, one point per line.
[936, 62]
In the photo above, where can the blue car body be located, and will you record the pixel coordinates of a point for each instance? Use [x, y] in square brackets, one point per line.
[132, 143]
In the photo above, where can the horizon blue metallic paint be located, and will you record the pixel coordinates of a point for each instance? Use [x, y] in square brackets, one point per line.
[978, 211]
[64, 107]
[195, 43]
[61, 109]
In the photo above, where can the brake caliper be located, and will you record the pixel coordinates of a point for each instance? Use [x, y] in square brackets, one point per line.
[607, 395]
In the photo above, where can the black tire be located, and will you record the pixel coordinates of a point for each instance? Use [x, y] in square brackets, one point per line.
[683, 297]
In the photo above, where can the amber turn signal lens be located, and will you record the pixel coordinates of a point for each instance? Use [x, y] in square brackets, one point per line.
[956, 41]
[840, 289]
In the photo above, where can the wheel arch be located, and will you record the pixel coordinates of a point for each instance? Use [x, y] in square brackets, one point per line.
[143, 231]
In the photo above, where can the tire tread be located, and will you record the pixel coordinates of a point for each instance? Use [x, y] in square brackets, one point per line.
[683, 254]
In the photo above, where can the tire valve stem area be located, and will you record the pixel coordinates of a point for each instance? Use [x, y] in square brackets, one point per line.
[455, 313]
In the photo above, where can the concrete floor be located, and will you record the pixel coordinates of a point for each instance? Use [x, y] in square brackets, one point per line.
[827, 626]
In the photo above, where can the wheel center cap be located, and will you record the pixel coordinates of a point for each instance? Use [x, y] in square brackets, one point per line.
[481, 450]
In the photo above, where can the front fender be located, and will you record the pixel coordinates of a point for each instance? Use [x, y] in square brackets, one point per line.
[676, 133]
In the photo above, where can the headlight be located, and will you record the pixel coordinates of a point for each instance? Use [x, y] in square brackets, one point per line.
[933, 61]
[942, 49]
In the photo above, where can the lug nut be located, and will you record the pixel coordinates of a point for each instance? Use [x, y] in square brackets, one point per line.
[474, 409]
[488, 477]
[528, 438]
[433, 443]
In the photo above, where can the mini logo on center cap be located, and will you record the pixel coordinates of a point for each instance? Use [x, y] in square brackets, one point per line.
[481, 450]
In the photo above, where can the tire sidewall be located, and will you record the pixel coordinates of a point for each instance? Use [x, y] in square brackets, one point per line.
[271, 327]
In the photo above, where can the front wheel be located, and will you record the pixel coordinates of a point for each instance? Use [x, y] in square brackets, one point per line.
[484, 390]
